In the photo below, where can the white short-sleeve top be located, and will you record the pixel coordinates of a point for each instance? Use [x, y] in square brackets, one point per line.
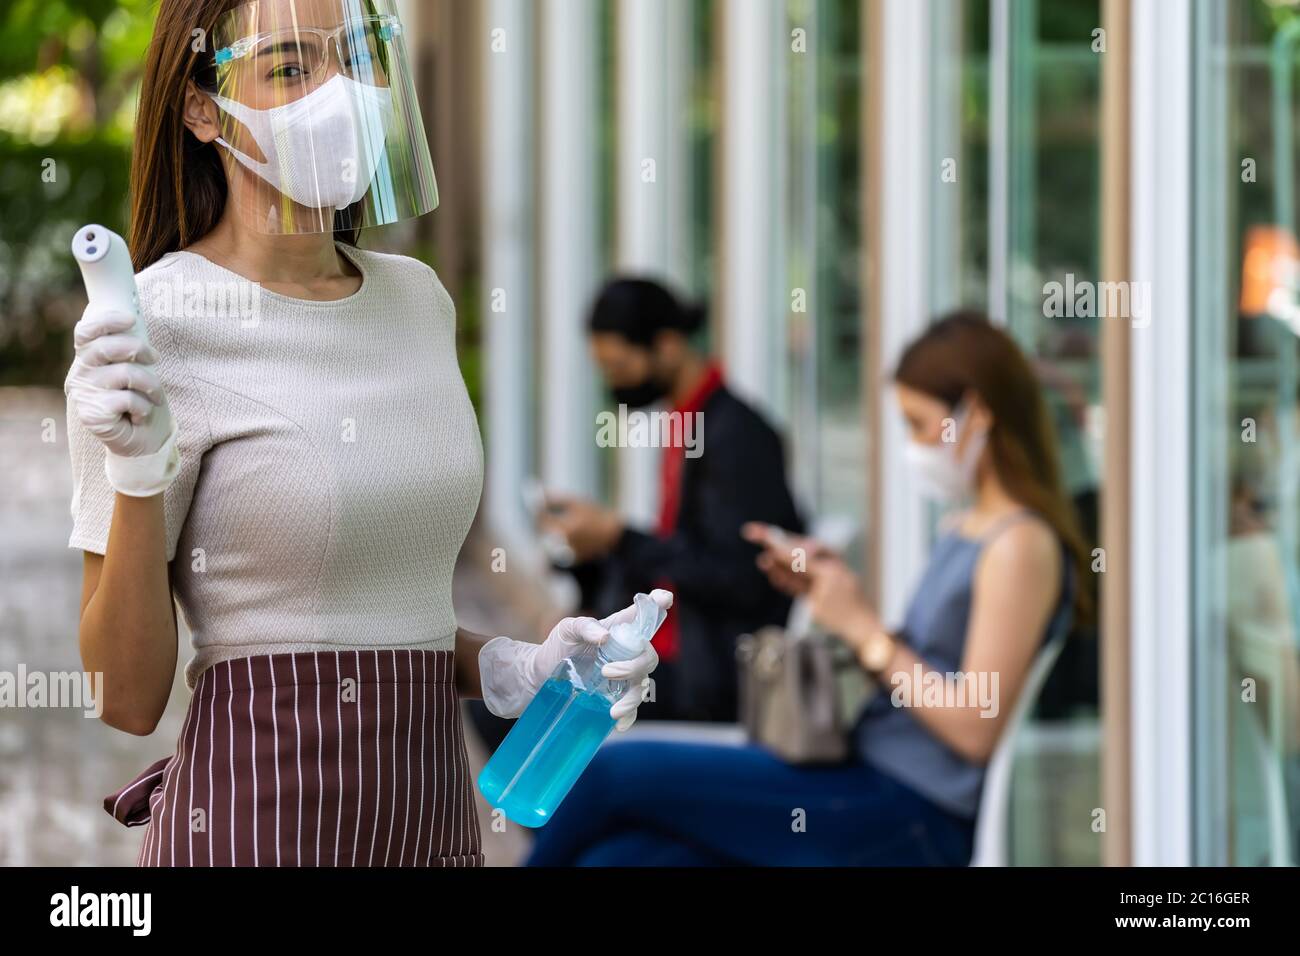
[331, 462]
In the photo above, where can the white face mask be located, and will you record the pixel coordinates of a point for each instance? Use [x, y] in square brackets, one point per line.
[323, 148]
[942, 473]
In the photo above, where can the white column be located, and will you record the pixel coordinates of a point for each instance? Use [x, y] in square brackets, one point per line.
[1161, 649]
[509, 301]
[750, 189]
[908, 176]
[794, 382]
[568, 254]
[651, 182]
[679, 189]
[644, 130]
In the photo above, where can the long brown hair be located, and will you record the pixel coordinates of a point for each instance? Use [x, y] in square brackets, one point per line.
[964, 352]
[178, 185]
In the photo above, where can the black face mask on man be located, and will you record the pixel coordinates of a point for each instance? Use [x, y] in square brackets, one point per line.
[645, 392]
[639, 396]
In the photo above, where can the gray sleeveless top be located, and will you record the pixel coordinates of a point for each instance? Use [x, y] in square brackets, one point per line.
[890, 738]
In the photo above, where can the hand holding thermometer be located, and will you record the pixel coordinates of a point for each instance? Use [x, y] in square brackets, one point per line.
[115, 391]
[107, 272]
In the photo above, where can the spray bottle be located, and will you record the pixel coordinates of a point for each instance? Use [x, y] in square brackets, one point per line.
[564, 725]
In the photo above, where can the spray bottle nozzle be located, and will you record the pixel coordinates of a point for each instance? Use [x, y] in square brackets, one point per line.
[629, 640]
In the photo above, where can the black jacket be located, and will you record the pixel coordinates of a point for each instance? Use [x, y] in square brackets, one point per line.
[719, 592]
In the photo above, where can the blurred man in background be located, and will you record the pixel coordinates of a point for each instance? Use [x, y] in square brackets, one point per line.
[713, 479]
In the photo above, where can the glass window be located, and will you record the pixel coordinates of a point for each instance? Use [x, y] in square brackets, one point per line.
[1246, 438]
[1015, 110]
[823, 256]
[697, 264]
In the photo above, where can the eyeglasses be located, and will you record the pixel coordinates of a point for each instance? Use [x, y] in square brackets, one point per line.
[362, 46]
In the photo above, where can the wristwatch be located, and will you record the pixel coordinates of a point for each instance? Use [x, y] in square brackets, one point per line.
[877, 651]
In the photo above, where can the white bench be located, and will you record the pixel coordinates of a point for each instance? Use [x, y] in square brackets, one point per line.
[995, 803]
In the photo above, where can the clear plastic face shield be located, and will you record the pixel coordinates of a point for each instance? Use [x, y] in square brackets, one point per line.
[318, 109]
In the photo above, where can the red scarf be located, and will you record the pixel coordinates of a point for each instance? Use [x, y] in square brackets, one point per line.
[670, 494]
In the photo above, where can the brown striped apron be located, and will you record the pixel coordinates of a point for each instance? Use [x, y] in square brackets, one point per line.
[347, 758]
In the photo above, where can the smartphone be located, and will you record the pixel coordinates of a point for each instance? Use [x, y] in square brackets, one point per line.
[537, 503]
[556, 547]
[779, 537]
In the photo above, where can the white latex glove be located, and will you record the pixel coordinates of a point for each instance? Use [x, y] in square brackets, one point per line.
[118, 397]
[511, 672]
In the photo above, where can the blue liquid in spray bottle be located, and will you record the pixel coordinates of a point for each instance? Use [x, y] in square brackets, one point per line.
[562, 728]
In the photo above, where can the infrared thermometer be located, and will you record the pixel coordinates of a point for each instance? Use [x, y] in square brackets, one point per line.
[107, 272]
[109, 277]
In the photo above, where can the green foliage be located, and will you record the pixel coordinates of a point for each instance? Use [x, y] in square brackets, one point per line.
[68, 73]
[47, 193]
[38, 34]
[88, 54]
[468, 301]
[469, 343]
[1268, 17]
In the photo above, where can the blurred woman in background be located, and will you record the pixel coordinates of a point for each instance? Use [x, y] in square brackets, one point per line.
[1003, 578]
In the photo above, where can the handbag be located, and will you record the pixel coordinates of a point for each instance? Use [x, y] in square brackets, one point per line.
[800, 693]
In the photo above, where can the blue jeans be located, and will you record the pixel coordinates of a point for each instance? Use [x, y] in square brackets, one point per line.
[660, 803]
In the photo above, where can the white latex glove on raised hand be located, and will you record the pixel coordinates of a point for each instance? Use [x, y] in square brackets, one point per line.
[511, 672]
[117, 395]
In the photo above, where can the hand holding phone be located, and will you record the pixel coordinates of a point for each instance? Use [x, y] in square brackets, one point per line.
[785, 568]
[540, 507]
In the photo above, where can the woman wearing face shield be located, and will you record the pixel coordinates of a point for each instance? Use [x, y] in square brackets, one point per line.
[292, 458]
[1006, 573]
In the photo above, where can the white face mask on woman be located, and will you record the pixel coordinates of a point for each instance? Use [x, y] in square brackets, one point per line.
[324, 147]
[942, 473]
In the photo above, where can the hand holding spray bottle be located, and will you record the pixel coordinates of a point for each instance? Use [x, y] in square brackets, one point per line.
[562, 728]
